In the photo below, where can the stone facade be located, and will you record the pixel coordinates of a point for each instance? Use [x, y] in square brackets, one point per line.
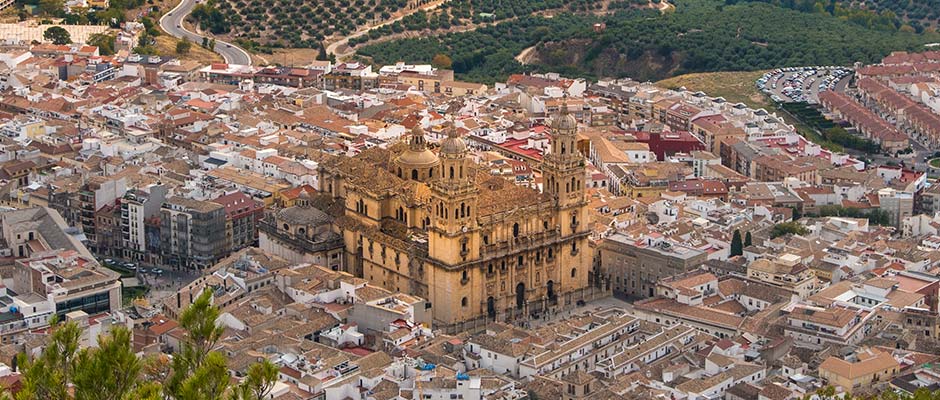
[477, 246]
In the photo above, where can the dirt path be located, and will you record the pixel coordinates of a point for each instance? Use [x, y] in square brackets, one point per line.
[525, 55]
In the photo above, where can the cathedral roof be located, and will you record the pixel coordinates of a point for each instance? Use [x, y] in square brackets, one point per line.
[303, 216]
[498, 195]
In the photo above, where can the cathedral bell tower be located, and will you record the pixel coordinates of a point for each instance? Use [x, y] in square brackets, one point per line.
[454, 234]
[563, 172]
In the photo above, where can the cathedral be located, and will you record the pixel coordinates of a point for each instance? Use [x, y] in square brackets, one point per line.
[478, 247]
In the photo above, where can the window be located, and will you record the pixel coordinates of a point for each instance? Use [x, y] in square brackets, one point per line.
[574, 271]
[515, 230]
[414, 174]
[463, 302]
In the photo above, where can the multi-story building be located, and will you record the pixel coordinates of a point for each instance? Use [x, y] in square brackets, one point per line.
[96, 200]
[52, 273]
[192, 233]
[243, 214]
[897, 204]
[351, 75]
[634, 266]
[816, 328]
[137, 207]
[786, 272]
[477, 246]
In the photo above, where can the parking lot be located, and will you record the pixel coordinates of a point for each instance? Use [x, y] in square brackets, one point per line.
[803, 84]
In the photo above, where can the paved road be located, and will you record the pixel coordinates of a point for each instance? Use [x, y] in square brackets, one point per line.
[172, 23]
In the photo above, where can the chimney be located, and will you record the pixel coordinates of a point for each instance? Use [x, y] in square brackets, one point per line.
[179, 304]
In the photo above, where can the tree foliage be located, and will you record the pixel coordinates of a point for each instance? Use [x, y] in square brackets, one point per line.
[258, 384]
[737, 246]
[183, 46]
[700, 36]
[442, 61]
[104, 42]
[112, 371]
[196, 370]
[57, 35]
[788, 228]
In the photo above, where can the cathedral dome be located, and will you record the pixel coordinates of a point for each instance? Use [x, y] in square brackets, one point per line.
[417, 155]
[453, 144]
[564, 121]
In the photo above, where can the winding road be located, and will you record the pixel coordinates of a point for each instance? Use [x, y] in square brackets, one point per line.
[172, 23]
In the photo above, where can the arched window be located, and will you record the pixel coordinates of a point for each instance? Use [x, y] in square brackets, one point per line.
[515, 230]
[461, 172]
[451, 172]
[463, 210]
[463, 302]
[464, 276]
[574, 271]
[399, 173]
[551, 253]
[414, 174]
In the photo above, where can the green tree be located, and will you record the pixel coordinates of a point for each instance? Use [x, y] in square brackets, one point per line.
[47, 376]
[57, 35]
[787, 228]
[260, 381]
[198, 373]
[104, 42]
[321, 55]
[747, 239]
[737, 248]
[183, 46]
[52, 7]
[109, 372]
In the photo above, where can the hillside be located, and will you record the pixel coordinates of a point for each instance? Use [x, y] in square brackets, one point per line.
[733, 86]
[296, 23]
[699, 36]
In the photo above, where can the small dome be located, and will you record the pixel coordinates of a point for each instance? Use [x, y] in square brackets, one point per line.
[564, 121]
[453, 144]
[417, 155]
